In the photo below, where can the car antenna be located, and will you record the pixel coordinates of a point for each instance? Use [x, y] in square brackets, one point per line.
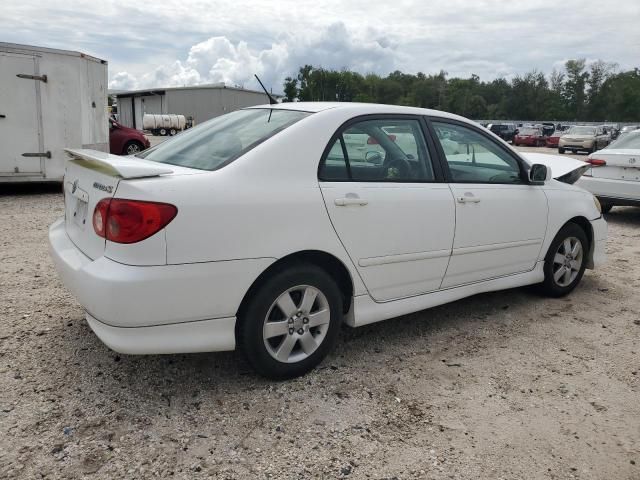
[272, 101]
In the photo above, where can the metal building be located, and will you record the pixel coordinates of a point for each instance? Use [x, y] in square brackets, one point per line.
[201, 102]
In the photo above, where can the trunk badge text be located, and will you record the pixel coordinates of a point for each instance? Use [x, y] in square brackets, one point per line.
[104, 188]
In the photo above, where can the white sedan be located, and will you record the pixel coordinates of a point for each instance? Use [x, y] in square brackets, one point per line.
[265, 229]
[614, 176]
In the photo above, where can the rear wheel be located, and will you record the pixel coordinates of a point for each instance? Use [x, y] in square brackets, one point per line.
[172, 132]
[291, 322]
[163, 131]
[560, 150]
[565, 261]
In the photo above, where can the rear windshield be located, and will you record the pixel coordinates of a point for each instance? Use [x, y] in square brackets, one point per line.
[529, 131]
[631, 141]
[219, 141]
[582, 130]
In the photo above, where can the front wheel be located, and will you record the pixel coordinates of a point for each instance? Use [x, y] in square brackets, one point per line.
[291, 322]
[133, 147]
[565, 261]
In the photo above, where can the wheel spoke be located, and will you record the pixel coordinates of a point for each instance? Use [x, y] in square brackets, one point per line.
[567, 246]
[276, 329]
[308, 343]
[559, 259]
[318, 318]
[309, 297]
[285, 303]
[567, 276]
[577, 248]
[559, 273]
[284, 350]
[575, 265]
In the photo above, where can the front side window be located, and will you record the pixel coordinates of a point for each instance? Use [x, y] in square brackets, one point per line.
[474, 158]
[389, 150]
[219, 141]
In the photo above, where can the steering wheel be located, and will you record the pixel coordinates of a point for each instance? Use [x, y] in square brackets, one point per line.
[402, 166]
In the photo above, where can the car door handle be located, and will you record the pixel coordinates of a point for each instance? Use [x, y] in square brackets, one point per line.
[346, 201]
[468, 199]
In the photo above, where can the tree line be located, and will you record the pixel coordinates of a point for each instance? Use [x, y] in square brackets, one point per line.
[578, 92]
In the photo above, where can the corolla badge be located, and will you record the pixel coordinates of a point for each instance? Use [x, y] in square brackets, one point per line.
[104, 188]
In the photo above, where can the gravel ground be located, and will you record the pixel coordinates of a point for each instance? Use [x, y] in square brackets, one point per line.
[503, 385]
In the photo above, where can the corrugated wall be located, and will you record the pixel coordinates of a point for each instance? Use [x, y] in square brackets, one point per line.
[203, 104]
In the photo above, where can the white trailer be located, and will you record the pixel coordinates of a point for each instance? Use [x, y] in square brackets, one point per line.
[49, 100]
[164, 124]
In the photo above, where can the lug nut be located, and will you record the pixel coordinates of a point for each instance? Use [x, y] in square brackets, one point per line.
[298, 314]
[291, 320]
[305, 320]
[301, 331]
[291, 331]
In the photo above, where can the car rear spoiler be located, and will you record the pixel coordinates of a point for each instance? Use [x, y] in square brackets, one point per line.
[115, 166]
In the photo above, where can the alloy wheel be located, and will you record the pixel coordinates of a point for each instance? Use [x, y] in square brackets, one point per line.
[567, 261]
[296, 324]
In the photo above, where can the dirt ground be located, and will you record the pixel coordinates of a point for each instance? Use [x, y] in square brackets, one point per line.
[506, 385]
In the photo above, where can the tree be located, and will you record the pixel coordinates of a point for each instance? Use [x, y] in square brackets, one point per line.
[290, 89]
[574, 88]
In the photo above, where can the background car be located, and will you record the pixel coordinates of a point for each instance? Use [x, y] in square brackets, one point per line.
[552, 140]
[126, 141]
[583, 138]
[530, 137]
[614, 176]
[505, 131]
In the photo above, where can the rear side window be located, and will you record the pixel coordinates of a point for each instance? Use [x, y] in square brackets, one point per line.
[389, 150]
[219, 141]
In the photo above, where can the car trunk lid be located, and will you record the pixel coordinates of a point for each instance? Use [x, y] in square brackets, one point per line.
[565, 169]
[620, 164]
[90, 176]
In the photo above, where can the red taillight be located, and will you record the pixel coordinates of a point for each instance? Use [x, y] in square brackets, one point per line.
[373, 141]
[129, 221]
[596, 162]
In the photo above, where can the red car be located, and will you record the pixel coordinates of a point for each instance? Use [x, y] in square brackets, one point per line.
[552, 140]
[531, 137]
[124, 140]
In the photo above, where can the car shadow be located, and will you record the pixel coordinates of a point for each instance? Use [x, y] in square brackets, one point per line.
[624, 216]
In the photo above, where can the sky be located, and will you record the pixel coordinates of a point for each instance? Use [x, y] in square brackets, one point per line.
[188, 42]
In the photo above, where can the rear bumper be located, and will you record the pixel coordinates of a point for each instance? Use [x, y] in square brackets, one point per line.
[599, 254]
[156, 309]
[618, 192]
[215, 335]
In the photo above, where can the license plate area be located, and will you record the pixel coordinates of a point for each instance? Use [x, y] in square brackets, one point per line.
[78, 205]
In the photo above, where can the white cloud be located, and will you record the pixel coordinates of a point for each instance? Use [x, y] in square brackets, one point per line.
[217, 59]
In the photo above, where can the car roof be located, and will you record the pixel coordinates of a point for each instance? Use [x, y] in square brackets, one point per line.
[359, 108]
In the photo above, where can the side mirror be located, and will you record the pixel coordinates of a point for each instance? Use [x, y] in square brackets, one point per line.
[538, 174]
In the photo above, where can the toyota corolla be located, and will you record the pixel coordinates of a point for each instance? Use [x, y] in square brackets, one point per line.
[267, 228]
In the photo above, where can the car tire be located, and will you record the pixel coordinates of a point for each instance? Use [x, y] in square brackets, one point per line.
[565, 263]
[294, 343]
[163, 132]
[172, 132]
[560, 150]
[132, 147]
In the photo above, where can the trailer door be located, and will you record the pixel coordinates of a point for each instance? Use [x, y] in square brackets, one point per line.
[20, 151]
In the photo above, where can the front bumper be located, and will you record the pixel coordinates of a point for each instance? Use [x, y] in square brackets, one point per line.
[156, 309]
[599, 253]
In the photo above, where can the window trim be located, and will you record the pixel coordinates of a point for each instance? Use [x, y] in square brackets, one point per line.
[522, 165]
[438, 174]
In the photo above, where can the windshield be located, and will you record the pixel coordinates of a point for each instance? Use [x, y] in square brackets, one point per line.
[219, 141]
[629, 141]
[529, 131]
[582, 131]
